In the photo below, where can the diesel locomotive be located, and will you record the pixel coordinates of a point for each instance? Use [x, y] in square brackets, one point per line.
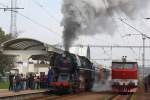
[124, 76]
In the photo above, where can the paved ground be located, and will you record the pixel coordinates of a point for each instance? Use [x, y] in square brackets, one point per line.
[5, 92]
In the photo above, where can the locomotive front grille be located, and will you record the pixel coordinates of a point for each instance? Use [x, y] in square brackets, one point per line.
[125, 82]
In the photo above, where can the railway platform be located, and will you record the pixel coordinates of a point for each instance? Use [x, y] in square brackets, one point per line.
[5, 94]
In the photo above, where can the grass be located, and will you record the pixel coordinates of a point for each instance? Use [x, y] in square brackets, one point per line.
[4, 85]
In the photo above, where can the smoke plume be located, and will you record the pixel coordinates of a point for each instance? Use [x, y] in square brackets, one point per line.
[88, 17]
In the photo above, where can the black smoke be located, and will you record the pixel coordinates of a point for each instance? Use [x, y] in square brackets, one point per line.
[88, 17]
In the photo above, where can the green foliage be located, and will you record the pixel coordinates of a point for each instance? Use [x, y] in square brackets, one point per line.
[6, 62]
[4, 85]
[4, 37]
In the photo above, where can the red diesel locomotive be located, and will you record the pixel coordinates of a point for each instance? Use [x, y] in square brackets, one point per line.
[124, 76]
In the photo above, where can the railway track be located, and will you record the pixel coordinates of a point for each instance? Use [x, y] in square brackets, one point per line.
[85, 96]
[78, 96]
[56, 97]
[120, 97]
[60, 97]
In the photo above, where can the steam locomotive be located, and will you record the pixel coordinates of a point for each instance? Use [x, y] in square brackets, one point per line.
[124, 76]
[70, 73]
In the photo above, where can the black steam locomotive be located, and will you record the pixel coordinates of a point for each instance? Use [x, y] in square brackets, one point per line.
[70, 73]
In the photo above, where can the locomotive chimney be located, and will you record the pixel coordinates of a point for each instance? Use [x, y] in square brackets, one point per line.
[65, 53]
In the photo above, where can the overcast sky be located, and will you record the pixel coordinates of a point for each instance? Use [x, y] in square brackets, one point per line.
[46, 16]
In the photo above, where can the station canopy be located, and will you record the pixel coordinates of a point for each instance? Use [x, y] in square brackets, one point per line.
[36, 48]
[23, 44]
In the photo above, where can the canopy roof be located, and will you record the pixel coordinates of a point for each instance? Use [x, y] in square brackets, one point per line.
[24, 44]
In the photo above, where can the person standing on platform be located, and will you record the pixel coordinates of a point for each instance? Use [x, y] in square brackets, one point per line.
[34, 81]
[27, 81]
[50, 75]
[21, 82]
[41, 80]
[17, 81]
[24, 82]
[45, 81]
[38, 82]
[30, 81]
[145, 84]
[11, 76]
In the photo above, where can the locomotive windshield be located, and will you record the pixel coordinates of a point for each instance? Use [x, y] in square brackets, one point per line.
[120, 65]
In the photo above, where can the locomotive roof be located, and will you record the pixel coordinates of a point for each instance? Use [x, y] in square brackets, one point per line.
[81, 57]
[120, 61]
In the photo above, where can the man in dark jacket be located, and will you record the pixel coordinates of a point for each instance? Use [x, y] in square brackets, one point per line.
[17, 79]
[11, 76]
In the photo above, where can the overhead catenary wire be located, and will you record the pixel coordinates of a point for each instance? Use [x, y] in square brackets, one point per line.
[46, 11]
[31, 20]
[107, 59]
[132, 50]
[134, 28]
[104, 2]
[128, 25]
[128, 41]
[144, 36]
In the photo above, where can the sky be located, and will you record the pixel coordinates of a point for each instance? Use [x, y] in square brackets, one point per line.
[46, 26]
[44, 12]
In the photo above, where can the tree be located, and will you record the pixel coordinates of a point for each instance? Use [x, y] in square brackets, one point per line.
[6, 61]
